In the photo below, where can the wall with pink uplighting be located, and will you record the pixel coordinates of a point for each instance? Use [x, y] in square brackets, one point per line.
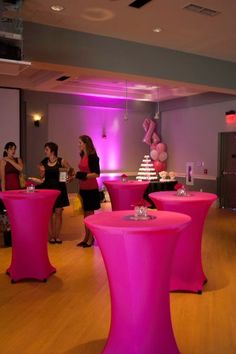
[192, 136]
[118, 142]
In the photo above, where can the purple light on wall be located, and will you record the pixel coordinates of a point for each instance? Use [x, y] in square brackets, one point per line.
[97, 122]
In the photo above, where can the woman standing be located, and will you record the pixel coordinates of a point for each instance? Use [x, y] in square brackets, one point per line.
[50, 174]
[89, 170]
[10, 168]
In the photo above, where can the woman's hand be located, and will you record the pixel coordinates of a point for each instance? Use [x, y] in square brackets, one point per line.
[70, 178]
[36, 180]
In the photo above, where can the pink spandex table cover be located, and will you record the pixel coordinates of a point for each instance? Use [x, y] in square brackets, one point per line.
[137, 257]
[29, 215]
[187, 271]
[124, 195]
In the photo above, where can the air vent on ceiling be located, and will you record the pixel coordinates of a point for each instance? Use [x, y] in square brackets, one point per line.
[201, 10]
[139, 3]
[63, 78]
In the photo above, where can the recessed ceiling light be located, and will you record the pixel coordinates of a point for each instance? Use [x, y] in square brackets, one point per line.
[157, 30]
[57, 8]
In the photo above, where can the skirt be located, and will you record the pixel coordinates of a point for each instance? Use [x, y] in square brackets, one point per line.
[91, 199]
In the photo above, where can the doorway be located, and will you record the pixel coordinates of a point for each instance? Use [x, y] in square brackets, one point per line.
[227, 170]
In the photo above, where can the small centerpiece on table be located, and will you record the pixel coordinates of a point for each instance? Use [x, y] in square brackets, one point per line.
[181, 190]
[124, 178]
[30, 185]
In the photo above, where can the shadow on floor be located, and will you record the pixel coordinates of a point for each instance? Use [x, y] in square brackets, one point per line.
[94, 347]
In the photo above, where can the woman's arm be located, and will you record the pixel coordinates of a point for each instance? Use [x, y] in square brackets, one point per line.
[18, 165]
[94, 167]
[41, 171]
[2, 174]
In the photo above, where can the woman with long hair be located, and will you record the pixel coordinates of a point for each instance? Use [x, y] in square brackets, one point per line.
[89, 170]
[49, 169]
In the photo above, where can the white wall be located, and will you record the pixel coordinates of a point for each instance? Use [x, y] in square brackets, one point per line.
[9, 118]
[191, 134]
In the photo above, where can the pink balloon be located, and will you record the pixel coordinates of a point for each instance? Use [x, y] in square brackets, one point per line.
[159, 166]
[161, 147]
[154, 154]
[163, 156]
[153, 146]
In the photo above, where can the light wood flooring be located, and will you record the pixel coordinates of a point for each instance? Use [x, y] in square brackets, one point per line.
[70, 313]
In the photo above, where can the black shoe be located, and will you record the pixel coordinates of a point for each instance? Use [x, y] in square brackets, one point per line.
[81, 244]
[58, 240]
[7, 238]
[88, 244]
[52, 240]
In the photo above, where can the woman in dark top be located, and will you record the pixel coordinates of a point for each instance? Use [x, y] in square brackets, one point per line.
[50, 172]
[89, 170]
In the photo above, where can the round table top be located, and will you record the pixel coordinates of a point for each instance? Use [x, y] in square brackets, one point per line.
[170, 196]
[119, 220]
[128, 184]
[23, 194]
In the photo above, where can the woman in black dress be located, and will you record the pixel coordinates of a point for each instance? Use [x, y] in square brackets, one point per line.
[50, 172]
[89, 170]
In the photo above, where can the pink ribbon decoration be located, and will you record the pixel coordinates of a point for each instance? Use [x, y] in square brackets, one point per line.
[149, 127]
[158, 150]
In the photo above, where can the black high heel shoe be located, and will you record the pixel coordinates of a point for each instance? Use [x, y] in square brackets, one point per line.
[88, 244]
[81, 244]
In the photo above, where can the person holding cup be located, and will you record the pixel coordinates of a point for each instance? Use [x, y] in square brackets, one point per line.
[55, 172]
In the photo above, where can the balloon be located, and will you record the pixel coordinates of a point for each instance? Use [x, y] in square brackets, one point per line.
[154, 154]
[161, 147]
[153, 146]
[163, 156]
[159, 166]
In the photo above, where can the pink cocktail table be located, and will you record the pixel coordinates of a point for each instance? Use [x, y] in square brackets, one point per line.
[124, 195]
[29, 215]
[137, 257]
[187, 271]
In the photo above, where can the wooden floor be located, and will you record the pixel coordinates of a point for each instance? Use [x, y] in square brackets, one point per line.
[70, 313]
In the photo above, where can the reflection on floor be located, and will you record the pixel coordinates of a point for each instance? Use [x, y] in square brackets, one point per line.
[70, 313]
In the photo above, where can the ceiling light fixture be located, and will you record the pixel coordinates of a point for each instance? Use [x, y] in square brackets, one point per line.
[157, 30]
[57, 8]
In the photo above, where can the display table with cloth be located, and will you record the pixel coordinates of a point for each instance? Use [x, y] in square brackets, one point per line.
[29, 215]
[158, 186]
[124, 195]
[138, 258]
[187, 272]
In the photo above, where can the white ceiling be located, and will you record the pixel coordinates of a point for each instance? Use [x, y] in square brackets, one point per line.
[182, 30]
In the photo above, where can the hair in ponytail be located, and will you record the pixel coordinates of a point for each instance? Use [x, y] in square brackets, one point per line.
[8, 146]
